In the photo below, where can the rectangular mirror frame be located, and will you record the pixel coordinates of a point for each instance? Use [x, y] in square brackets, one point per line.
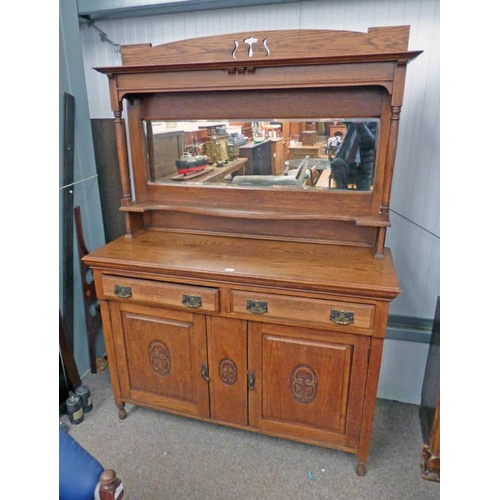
[361, 74]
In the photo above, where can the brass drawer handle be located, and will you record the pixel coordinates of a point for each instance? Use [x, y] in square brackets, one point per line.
[342, 317]
[124, 292]
[257, 306]
[192, 301]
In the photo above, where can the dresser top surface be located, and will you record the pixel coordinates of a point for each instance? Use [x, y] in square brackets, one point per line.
[258, 262]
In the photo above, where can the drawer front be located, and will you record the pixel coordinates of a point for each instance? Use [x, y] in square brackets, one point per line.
[260, 305]
[156, 292]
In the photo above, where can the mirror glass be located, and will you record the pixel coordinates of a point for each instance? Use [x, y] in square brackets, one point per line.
[328, 153]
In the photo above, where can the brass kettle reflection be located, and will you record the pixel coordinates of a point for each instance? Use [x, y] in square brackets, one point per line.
[216, 150]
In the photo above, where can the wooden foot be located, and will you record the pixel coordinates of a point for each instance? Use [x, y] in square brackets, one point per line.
[122, 414]
[361, 469]
[429, 465]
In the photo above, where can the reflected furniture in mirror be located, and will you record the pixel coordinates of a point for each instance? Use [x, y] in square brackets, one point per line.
[261, 305]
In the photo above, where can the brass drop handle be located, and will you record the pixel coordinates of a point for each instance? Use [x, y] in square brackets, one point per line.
[257, 306]
[251, 381]
[342, 317]
[204, 372]
[123, 292]
[192, 301]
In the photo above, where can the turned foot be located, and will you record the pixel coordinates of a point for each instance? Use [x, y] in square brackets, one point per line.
[361, 469]
[122, 414]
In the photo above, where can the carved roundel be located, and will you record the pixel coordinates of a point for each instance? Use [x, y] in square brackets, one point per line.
[304, 384]
[228, 371]
[159, 358]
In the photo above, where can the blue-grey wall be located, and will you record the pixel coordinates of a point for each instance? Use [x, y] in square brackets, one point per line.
[85, 187]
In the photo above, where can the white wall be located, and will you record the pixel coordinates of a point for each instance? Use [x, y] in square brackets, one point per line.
[402, 371]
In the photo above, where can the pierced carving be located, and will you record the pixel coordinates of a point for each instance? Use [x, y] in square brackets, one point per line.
[304, 384]
[159, 358]
[250, 41]
[268, 52]
[236, 45]
[228, 371]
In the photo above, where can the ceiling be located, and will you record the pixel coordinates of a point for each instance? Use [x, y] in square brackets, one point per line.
[95, 10]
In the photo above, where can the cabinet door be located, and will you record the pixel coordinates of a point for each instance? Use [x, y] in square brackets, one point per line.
[227, 353]
[264, 158]
[309, 384]
[160, 354]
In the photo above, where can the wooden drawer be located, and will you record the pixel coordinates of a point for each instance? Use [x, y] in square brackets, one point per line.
[156, 292]
[330, 312]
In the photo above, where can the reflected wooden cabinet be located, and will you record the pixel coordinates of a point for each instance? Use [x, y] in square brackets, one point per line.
[260, 308]
[277, 156]
[258, 156]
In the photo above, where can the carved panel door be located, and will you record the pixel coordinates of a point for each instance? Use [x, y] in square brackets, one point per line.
[161, 357]
[308, 383]
[227, 353]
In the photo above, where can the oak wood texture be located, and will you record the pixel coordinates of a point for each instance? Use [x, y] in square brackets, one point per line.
[289, 266]
[284, 307]
[338, 362]
[301, 284]
[261, 309]
[299, 45]
[155, 292]
[159, 355]
[227, 357]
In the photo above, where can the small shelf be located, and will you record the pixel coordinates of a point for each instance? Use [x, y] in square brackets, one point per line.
[254, 212]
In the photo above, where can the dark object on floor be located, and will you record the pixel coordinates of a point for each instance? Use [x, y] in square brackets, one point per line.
[80, 474]
[74, 410]
[93, 318]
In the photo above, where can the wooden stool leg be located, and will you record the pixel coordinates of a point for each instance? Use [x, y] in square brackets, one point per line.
[111, 487]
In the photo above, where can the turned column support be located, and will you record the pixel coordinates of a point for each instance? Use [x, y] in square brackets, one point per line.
[391, 157]
[121, 146]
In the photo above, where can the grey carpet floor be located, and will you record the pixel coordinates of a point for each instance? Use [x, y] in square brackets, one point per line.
[165, 457]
